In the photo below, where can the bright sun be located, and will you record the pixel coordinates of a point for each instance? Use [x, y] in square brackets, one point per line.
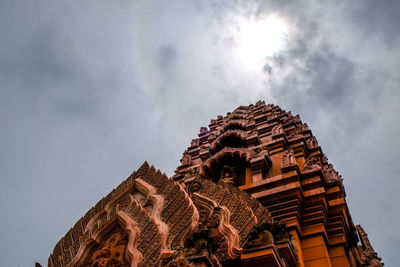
[260, 38]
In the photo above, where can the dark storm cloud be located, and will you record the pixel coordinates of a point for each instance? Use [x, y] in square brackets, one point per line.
[330, 75]
[50, 75]
[377, 17]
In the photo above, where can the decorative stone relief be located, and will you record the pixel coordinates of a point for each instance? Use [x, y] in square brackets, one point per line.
[228, 175]
[330, 174]
[186, 159]
[304, 127]
[367, 255]
[111, 253]
[312, 142]
[288, 158]
[277, 130]
[203, 130]
[312, 163]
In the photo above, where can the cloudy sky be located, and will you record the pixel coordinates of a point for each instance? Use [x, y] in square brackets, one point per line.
[91, 89]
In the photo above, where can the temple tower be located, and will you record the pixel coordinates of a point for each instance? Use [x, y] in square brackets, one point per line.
[270, 154]
[254, 189]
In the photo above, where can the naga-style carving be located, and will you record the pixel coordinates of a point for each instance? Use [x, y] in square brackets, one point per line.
[245, 212]
[215, 220]
[200, 218]
[365, 254]
[153, 209]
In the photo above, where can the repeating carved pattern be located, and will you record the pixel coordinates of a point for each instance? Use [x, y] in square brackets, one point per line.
[191, 215]
[158, 207]
[243, 208]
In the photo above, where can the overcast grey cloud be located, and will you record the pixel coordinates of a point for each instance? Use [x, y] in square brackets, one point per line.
[91, 90]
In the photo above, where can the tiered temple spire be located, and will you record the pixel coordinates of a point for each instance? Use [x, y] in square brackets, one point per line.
[254, 189]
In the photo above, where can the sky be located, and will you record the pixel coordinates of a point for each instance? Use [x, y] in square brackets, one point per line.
[89, 90]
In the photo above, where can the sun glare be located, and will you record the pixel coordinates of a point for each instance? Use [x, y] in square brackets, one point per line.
[260, 38]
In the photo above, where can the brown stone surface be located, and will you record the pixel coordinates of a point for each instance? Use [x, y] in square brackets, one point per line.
[254, 189]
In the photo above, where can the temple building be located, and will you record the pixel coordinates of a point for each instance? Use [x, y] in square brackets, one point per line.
[254, 189]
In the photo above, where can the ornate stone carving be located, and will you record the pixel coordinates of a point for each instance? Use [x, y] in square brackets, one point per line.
[203, 130]
[296, 119]
[204, 151]
[186, 159]
[211, 137]
[258, 151]
[312, 142]
[280, 232]
[294, 133]
[215, 231]
[268, 234]
[288, 158]
[330, 174]
[277, 130]
[200, 243]
[228, 175]
[235, 125]
[260, 103]
[261, 236]
[303, 127]
[219, 142]
[195, 142]
[197, 222]
[179, 261]
[324, 159]
[111, 253]
[312, 163]
[367, 256]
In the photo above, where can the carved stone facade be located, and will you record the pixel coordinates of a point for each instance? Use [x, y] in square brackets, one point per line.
[254, 189]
